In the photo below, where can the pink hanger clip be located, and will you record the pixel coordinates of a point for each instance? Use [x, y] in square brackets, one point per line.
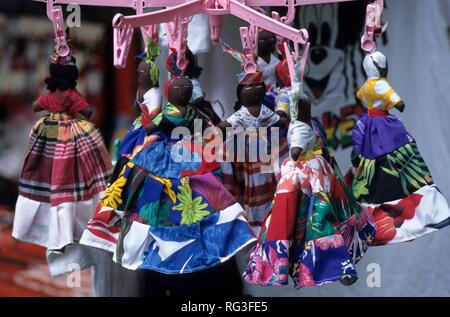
[177, 34]
[293, 57]
[249, 39]
[121, 41]
[373, 27]
[56, 16]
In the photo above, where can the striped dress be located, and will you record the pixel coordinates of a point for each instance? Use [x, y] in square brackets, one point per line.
[64, 172]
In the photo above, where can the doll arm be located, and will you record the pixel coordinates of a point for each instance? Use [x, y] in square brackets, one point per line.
[87, 112]
[283, 122]
[400, 106]
[150, 128]
[223, 125]
[37, 107]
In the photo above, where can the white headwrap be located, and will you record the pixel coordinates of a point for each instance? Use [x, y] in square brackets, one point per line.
[369, 66]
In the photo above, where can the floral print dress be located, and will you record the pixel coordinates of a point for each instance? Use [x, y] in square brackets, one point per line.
[391, 178]
[314, 231]
[165, 213]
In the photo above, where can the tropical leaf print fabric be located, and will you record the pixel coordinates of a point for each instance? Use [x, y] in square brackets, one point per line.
[392, 180]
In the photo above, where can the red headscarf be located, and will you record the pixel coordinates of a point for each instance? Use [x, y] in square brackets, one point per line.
[283, 73]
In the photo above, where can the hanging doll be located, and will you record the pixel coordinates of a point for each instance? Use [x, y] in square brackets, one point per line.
[283, 96]
[67, 167]
[166, 210]
[391, 177]
[313, 229]
[148, 100]
[246, 178]
[193, 71]
[267, 61]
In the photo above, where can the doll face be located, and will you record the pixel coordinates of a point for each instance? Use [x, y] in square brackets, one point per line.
[266, 43]
[304, 108]
[253, 95]
[180, 91]
[143, 72]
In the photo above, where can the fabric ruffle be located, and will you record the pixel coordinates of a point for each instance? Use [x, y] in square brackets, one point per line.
[52, 227]
[313, 263]
[411, 217]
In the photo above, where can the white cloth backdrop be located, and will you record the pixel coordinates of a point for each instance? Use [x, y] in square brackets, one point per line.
[419, 59]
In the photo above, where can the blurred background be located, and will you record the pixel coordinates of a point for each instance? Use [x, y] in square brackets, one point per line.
[417, 45]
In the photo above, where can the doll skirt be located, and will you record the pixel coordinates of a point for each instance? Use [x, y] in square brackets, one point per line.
[63, 176]
[392, 180]
[134, 139]
[314, 231]
[171, 225]
[253, 181]
[67, 161]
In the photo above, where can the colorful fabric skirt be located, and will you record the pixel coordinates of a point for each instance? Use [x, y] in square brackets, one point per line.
[253, 182]
[393, 181]
[315, 231]
[134, 139]
[66, 169]
[168, 216]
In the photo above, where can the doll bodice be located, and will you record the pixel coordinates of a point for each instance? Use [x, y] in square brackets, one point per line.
[171, 117]
[69, 101]
[244, 119]
[378, 94]
[301, 135]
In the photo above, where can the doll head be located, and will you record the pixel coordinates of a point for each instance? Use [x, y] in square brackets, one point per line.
[144, 78]
[266, 43]
[375, 65]
[179, 91]
[148, 71]
[282, 73]
[251, 89]
[193, 70]
[303, 108]
[63, 73]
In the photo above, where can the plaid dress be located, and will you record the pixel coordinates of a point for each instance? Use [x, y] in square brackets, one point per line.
[64, 172]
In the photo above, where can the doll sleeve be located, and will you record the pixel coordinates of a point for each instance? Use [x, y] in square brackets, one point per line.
[390, 97]
[43, 101]
[283, 102]
[301, 136]
[79, 103]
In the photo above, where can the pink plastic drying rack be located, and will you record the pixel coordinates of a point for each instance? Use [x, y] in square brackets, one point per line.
[177, 12]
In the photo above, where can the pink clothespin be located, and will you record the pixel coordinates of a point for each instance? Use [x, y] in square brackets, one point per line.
[373, 27]
[146, 30]
[293, 57]
[215, 9]
[288, 20]
[249, 39]
[122, 38]
[56, 16]
[177, 34]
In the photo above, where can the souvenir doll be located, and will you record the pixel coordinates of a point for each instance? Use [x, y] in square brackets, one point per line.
[391, 176]
[166, 210]
[246, 178]
[313, 229]
[67, 167]
[283, 96]
[198, 99]
[267, 61]
[148, 100]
